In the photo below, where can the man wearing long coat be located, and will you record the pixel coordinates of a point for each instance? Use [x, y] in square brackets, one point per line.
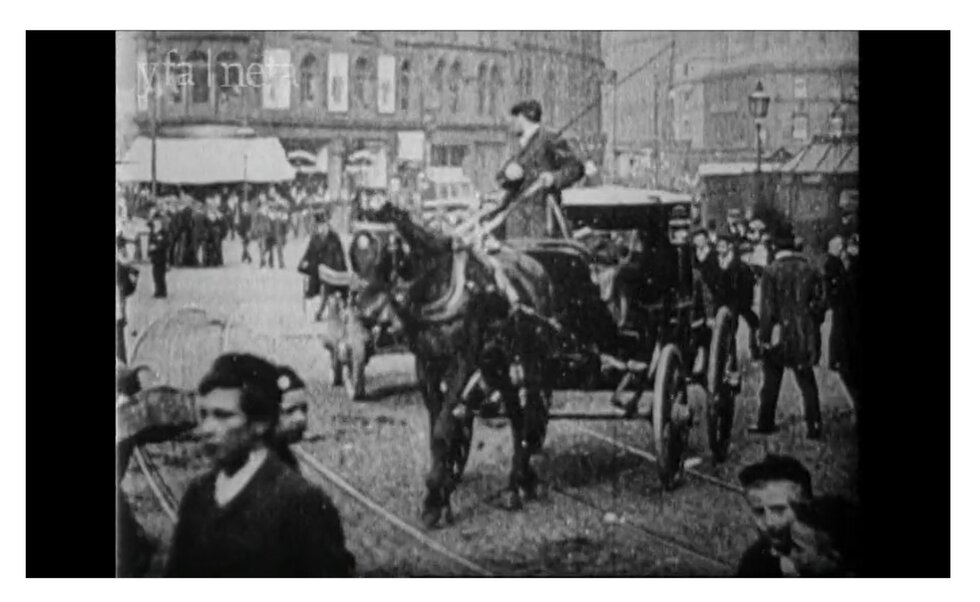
[544, 154]
[793, 304]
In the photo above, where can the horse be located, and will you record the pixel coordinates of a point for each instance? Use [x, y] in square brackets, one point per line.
[467, 340]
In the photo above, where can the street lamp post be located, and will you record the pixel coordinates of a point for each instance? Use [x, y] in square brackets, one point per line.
[759, 108]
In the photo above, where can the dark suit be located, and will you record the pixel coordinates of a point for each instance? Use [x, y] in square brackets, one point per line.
[792, 299]
[734, 289]
[759, 561]
[545, 151]
[158, 246]
[279, 525]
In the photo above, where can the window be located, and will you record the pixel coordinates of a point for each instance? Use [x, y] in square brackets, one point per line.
[437, 83]
[551, 83]
[799, 88]
[448, 156]
[200, 90]
[496, 83]
[229, 71]
[481, 89]
[801, 125]
[176, 80]
[359, 83]
[405, 85]
[456, 155]
[307, 77]
[455, 87]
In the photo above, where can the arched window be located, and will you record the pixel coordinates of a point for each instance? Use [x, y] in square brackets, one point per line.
[481, 89]
[455, 87]
[228, 71]
[201, 90]
[496, 84]
[405, 85]
[359, 83]
[549, 94]
[176, 79]
[307, 80]
[228, 76]
[438, 75]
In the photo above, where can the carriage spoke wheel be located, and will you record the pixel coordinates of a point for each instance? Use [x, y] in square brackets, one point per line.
[671, 416]
[721, 394]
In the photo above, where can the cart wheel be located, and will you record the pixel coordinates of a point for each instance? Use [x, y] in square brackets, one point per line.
[460, 451]
[721, 395]
[671, 415]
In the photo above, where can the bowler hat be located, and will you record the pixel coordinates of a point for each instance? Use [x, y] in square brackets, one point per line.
[531, 109]
[699, 230]
[784, 238]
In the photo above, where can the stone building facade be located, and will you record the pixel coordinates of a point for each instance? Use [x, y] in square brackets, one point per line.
[690, 106]
[438, 98]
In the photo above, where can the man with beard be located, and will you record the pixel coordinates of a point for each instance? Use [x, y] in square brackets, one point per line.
[251, 515]
[773, 488]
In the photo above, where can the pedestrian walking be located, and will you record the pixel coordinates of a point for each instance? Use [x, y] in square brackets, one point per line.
[251, 515]
[158, 245]
[792, 310]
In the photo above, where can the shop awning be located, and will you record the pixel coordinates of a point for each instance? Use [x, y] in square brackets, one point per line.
[207, 161]
[836, 158]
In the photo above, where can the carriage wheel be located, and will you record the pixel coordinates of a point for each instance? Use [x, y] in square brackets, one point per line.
[671, 416]
[721, 394]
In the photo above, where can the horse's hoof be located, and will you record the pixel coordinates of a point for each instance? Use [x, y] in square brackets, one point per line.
[448, 515]
[512, 501]
[430, 518]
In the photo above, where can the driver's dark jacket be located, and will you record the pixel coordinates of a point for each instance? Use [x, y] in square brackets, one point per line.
[545, 151]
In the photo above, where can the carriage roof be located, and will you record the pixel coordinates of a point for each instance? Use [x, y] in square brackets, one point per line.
[621, 196]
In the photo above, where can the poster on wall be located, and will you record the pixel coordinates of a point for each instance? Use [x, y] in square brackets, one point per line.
[386, 84]
[411, 146]
[276, 84]
[337, 78]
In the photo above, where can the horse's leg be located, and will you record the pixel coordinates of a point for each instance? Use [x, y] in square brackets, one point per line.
[518, 462]
[440, 419]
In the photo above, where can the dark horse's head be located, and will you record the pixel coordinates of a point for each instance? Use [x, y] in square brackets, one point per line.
[404, 269]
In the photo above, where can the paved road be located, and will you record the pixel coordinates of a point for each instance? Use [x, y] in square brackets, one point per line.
[381, 447]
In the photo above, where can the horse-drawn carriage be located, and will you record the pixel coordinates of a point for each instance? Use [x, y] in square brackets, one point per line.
[474, 350]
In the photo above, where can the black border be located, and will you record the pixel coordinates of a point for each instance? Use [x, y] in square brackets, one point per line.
[904, 290]
[904, 475]
[70, 413]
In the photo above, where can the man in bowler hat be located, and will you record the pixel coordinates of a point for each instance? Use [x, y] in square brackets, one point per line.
[793, 305]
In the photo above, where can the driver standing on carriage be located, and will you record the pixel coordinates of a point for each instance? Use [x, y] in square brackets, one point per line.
[544, 155]
[546, 159]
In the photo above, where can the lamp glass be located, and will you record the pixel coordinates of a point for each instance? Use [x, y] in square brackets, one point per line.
[759, 102]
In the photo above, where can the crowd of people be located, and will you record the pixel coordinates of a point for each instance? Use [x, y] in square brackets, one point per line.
[253, 514]
[795, 293]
